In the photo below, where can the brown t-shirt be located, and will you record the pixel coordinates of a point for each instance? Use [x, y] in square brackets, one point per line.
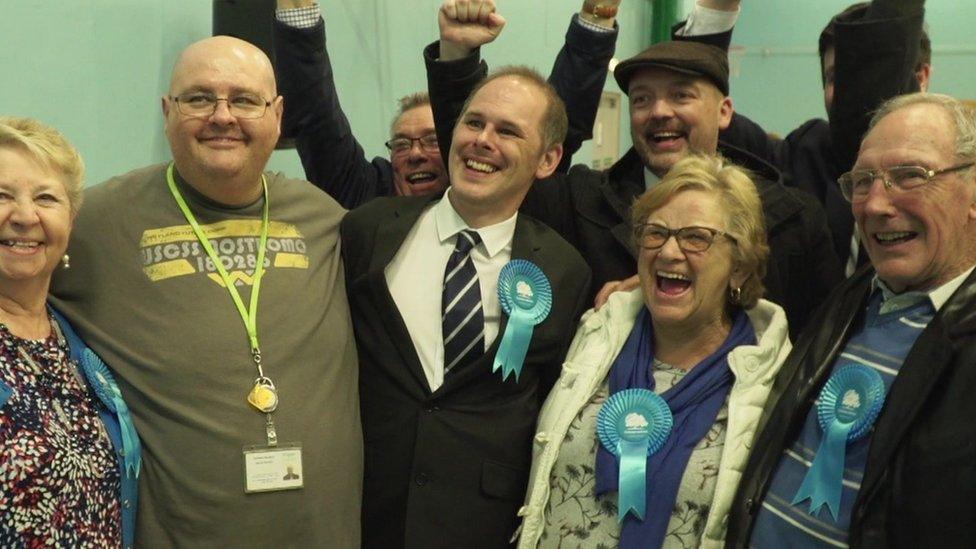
[144, 295]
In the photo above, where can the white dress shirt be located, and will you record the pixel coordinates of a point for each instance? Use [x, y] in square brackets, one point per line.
[650, 179]
[704, 20]
[416, 279]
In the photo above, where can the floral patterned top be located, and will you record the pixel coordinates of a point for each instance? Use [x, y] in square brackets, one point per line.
[576, 517]
[59, 477]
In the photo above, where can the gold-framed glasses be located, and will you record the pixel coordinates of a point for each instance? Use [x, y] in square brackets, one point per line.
[855, 185]
[652, 236]
[203, 105]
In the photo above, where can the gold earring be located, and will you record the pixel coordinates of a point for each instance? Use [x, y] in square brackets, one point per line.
[735, 295]
[66, 261]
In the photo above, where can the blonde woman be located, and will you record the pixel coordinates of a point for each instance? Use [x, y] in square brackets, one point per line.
[688, 357]
[69, 454]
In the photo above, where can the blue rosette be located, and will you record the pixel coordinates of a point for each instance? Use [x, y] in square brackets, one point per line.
[849, 405]
[526, 297]
[633, 424]
[105, 387]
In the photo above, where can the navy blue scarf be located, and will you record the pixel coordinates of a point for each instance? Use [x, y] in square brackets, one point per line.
[694, 403]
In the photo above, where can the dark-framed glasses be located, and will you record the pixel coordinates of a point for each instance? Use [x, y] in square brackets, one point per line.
[402, 145]
[855, 185]
[202, 105]
[652, 236]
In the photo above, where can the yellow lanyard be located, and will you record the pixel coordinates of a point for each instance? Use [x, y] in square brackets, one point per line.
[263, 395]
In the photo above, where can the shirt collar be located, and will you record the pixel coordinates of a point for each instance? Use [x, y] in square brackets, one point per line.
[650, 179]
[449, 223]
[937, 297]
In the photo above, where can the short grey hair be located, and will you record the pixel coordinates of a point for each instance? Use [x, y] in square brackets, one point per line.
[963, 117]
[408, 103]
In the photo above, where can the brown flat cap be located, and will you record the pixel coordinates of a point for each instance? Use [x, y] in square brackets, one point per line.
[694, 58]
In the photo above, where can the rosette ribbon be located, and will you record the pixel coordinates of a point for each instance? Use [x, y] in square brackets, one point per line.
[633, 424]
[526, 297]
[108, 392]
[100, 379]
[849, 405]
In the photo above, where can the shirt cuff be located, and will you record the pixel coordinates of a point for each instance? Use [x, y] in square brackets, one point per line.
[592, 26]
[299, 18]
[704, 20]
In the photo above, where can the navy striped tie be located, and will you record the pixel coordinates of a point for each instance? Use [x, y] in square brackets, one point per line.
[462, 318]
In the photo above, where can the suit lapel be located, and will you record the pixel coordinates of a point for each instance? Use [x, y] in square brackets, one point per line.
[389, 237]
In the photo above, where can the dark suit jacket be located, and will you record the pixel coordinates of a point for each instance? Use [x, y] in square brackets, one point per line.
[448, 468]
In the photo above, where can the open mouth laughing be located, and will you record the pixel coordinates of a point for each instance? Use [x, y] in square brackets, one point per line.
[665, 139]
[419, 178]
[672, 284]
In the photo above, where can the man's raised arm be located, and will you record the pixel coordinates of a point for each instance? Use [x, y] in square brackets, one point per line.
[877, 51]
[332, 157]
[580, 70]
[578, 73]
[454, 65]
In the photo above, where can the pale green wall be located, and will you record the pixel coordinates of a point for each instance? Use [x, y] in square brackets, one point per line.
[779, 81]
[96, 68]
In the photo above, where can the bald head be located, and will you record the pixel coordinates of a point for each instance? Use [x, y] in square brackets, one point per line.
[226, 56]
[222, 149]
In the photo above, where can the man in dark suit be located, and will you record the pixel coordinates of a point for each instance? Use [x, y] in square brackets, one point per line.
[448, 440]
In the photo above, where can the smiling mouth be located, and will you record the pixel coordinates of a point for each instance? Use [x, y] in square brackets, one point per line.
[892, 238]
[665, 137]
[482, 167]
[419, 178]
[671, 283]
[20, 245]
[222, 140]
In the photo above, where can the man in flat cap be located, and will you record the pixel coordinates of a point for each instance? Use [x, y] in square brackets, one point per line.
[678, 104]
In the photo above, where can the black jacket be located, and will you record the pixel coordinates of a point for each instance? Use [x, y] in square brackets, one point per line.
[591, 208]
[919, 486]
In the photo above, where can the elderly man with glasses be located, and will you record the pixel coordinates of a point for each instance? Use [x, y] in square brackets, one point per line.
[216, 292]
[868, 439]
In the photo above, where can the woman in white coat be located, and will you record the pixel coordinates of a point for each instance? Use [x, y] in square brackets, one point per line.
[642, 441]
